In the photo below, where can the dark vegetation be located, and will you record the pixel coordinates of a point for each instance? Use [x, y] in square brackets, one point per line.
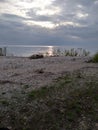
[70, 52]
[95, 58]
[36, 56]
[71, 103]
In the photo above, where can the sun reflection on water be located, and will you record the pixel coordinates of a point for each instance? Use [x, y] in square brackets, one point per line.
[50, 50]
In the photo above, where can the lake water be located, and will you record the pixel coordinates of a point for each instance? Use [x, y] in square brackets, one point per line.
[23, 50]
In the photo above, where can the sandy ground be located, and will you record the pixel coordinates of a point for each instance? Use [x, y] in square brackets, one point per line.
[19, 76]
[17, 73]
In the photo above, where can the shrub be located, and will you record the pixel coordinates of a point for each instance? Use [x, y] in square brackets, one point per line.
[95, 58]
[71, 52]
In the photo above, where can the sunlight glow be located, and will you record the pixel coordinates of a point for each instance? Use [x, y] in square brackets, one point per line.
[51, 11]
[51, 25]
[39, 7]
[75, 37]
[69, 23]
[14, 10]
[50, 50]
[35, 4]
[80, 6]
[42, 4]
[82, 15]
[48, 25]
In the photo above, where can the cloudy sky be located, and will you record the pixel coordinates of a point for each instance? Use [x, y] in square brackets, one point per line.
[49, 22]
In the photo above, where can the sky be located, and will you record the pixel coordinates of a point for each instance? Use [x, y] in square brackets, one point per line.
[49, 22]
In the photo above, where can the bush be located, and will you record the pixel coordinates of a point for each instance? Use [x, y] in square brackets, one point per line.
[95, 58]
[71, 52]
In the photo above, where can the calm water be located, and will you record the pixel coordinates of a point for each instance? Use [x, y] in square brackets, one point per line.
[20, 50]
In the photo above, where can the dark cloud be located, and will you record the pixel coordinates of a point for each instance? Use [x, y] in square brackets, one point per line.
[12, 16]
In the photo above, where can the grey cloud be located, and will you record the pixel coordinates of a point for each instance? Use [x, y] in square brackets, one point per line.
[87, 7]
[74, 2]
[3, 1]
[28, 35]
[12, 17]
[35, 17]
[14, 31]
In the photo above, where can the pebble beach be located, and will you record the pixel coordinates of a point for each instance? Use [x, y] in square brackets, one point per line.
[22, 75]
